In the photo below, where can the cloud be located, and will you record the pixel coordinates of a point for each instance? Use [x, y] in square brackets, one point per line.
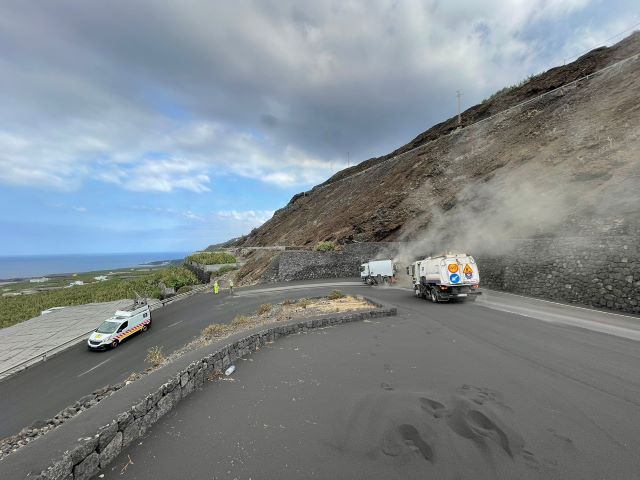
[164, 175]
[271, 91]
[250, 218]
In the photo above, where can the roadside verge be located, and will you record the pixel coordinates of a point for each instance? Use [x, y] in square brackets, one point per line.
[41, 349]
[90, 441]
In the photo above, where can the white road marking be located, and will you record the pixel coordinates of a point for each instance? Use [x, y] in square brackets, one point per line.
[93, 368]
[175, 323]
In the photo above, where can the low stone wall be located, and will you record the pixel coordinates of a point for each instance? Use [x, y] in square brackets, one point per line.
[202, 275]
[601, 271]
[310, 265]
[90, 454]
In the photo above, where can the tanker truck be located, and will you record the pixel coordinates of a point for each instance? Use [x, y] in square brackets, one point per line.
[446, 277]
[376, 272]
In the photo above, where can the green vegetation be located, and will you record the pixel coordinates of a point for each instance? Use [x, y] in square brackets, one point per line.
[211, 258]
[223, 270]
[177, 277]
[304, 302]
[335, 295]
[15, 309]
[326, 246]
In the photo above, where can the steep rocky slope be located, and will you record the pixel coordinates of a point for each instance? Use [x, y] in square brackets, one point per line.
[563, 164]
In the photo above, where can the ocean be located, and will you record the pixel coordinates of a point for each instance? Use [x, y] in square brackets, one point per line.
[25, 266]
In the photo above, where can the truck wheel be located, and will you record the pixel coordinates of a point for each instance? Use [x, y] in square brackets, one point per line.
[145, 328]
[434, 295]
[114, 344]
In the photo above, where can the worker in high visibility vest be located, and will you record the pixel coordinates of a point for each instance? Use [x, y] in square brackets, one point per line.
[231, 286]
[216, 289]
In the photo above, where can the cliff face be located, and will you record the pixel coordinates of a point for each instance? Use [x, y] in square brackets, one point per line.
[559, 165]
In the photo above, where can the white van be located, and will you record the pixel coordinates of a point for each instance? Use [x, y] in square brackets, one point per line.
[122, 325]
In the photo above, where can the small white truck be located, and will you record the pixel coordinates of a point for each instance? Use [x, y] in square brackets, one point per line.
[446, 277]
[124, 323]
[376, 272]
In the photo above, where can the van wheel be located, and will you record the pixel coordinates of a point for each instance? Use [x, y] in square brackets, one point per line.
[115, 343]
[145, 328]
[434, 295]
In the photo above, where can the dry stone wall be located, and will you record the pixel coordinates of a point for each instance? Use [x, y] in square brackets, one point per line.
[309, 265]
[602, 271]
[91, 454]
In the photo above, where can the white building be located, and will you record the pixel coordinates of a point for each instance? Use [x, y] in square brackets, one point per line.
[39, 280]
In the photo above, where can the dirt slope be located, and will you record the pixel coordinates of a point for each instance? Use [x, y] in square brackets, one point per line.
[561, 164]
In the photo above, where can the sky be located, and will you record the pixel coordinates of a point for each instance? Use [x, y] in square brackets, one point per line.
[162, 125]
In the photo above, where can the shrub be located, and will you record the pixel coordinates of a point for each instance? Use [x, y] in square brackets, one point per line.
[155, 356]
[211, 258]
[214, 330]
[264, 308]
[287, 302]
[326, 246]
[304, 302]
[184, 289]
[177, 277]
[223, 270]
[335, 295]
[240, 320]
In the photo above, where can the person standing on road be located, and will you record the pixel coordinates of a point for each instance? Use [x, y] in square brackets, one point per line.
[230, 286]
[216, 289]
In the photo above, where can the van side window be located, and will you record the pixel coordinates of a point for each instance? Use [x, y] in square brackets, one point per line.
[123, 326]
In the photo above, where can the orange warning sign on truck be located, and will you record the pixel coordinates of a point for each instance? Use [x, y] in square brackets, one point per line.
[467, 269]
[453, 268]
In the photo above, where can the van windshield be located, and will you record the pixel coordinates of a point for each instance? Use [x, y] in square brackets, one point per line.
[107, 327]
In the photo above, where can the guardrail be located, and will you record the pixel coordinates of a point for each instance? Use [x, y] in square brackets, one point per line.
[42, 357]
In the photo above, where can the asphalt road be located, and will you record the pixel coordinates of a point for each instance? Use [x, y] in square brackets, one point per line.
[445, 391]
[43, 390]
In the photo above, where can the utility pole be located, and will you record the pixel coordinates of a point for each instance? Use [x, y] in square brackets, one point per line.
[458, 95]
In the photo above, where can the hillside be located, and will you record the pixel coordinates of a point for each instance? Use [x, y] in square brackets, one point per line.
[562, 164]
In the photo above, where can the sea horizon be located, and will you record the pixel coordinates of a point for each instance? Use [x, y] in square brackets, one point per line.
[39, 265]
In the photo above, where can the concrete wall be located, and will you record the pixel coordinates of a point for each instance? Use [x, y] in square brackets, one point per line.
[599, 271]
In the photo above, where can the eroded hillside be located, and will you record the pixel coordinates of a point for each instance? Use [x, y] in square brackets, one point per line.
[559, 164]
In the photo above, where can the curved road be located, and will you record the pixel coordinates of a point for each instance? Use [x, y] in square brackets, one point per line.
[594, 348]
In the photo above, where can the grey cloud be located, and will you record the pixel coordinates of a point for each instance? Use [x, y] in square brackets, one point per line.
[109, 81]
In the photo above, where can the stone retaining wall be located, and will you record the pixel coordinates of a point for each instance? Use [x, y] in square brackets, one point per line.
[310, 265]
[93, 453]
[601, 271]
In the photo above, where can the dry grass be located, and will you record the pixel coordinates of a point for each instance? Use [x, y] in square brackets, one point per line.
[265, 315]
[214, 330]
[264, 309]
[155, 356]
[240, 320]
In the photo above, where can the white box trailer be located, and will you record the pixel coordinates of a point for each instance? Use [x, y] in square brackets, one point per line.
[446, 277]
[376, 272]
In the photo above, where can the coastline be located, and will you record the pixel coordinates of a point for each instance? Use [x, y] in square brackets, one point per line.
[23, 268]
